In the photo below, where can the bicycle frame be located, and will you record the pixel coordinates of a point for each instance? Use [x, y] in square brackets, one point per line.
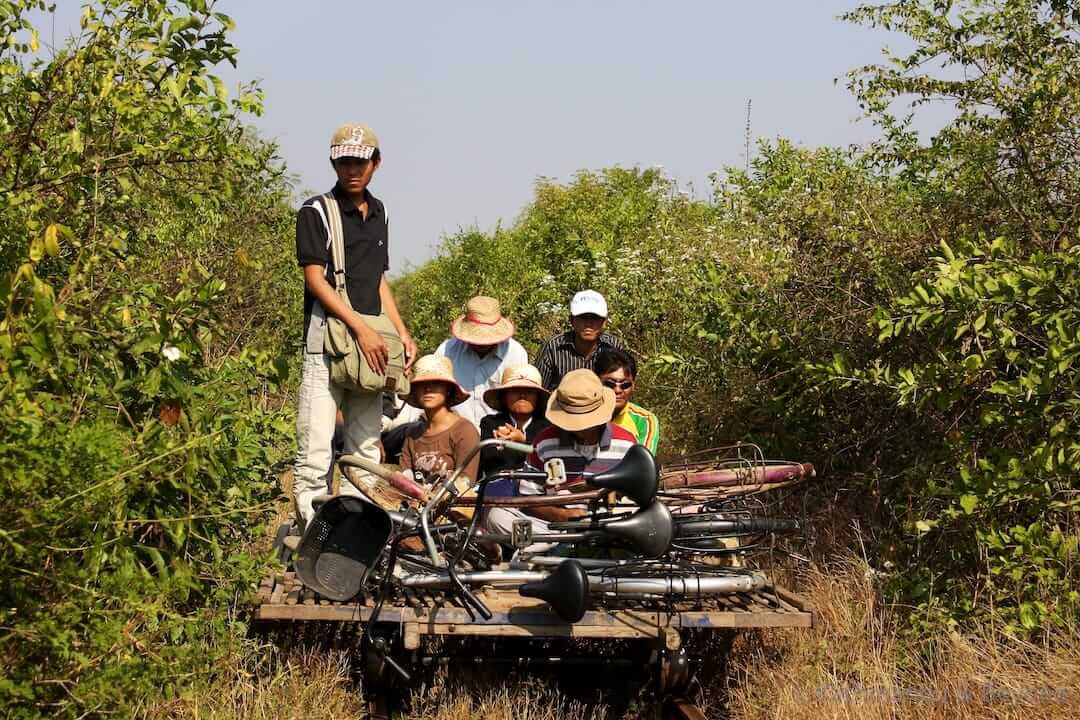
[451, 482]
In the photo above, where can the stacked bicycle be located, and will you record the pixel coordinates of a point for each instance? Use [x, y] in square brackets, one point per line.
[644, 537]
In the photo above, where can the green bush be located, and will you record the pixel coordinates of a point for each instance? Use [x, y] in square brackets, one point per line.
[145, 246]
[904, 316]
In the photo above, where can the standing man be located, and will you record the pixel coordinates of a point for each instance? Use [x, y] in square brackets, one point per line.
[355, 156]
[578, 347]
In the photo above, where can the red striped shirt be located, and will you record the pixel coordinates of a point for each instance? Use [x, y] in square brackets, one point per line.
[553, 442]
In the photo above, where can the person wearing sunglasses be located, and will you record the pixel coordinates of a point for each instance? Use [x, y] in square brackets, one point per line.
[618, 370]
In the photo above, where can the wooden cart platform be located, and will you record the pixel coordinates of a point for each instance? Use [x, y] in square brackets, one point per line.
[283, 598]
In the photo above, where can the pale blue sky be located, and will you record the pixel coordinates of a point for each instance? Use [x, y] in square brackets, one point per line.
[473, 101]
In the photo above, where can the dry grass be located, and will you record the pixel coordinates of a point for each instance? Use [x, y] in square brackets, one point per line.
[852, 665]
[309, 684]
[493, 698]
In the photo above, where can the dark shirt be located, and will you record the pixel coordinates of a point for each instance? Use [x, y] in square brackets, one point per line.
[492, 459]
[366, 250]
[558, 356]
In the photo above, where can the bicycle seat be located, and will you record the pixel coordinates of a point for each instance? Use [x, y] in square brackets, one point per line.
[649, 530]
[635, 476]
[341, 544]
[566, 590]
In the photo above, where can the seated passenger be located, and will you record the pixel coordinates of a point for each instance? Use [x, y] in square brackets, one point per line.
[481, 349]
[441, 441]
[582, 435]
[519, 418]
[578, 347]
[618, 370]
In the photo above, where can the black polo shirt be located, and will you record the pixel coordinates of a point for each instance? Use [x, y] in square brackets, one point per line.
[366, 250]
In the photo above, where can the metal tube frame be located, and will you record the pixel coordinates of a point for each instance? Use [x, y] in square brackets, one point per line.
[444, 489]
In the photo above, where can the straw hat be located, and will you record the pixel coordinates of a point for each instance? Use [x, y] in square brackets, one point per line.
[435, 367]
[525, 377]
[580, 402]
[482, 323]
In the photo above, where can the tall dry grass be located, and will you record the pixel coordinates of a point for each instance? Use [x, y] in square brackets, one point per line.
[306, 684]
[854, 664]
[492, 698]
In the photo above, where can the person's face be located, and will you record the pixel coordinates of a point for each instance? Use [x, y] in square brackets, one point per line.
[622, 383]
[354, 174]
[481, 350]
[588, 327]
[432, 394]
[588, 436]
[520, 401]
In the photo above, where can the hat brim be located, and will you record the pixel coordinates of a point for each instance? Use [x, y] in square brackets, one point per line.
[560, 417]
[493, 396]
[459, 395]
[476, 334]
[362, 152]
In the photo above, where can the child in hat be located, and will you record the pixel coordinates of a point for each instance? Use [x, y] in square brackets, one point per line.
[433, 449]
[519, 402]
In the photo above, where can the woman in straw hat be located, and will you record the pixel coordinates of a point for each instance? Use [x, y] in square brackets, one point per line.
[438, 445]
[519, 401]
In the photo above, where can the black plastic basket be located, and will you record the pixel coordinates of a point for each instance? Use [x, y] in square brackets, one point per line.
[342, 544]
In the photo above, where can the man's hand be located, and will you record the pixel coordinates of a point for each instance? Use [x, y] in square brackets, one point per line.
[372, 346]
[410, 350]
[509, 433]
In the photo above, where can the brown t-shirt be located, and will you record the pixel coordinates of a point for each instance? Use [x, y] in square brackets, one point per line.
[433, 457]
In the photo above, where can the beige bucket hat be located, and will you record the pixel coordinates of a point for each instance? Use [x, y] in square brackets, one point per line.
[580, 402]
[524, 377]
[430, 368]
[483, 323]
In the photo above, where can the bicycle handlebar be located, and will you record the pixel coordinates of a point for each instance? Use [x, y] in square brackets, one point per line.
[441, 492]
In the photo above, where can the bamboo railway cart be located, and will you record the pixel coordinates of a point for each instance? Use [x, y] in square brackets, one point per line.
[412, 614]
[626, 607]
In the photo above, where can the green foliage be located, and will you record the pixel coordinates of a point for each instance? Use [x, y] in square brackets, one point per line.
[144, 251]
[1006, 162]
[982, 349]
[1000, 382]
[905, 317]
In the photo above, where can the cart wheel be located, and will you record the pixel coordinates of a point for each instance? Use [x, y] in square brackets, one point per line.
[674, 670]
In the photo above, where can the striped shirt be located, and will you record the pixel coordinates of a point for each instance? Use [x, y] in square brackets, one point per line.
[555, 443]
[643, 424]
[558, 356]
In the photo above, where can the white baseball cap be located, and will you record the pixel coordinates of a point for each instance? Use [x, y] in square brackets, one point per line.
[588, 302]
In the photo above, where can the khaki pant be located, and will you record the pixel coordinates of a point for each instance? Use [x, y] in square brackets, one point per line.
[501, 520]
[316, 417]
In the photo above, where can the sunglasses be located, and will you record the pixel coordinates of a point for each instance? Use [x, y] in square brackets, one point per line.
[619, 384]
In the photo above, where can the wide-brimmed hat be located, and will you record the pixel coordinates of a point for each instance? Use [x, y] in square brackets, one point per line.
[431, 368]
[352, 140]
[483, 323]
[523, 377]
[580, 402]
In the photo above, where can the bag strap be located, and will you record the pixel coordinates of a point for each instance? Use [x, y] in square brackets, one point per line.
[337, 241]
